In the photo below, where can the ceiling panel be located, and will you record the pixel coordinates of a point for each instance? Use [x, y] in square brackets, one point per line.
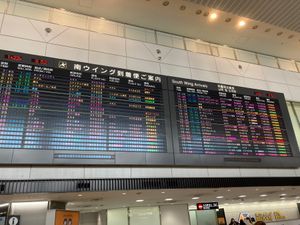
[282, 13]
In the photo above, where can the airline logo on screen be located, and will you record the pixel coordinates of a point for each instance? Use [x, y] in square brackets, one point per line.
[207, 205]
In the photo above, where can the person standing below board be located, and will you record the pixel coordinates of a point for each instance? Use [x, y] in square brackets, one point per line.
[233, 222]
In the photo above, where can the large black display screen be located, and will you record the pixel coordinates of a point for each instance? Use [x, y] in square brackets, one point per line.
[71, 106]
[61, 112]
[215, 120]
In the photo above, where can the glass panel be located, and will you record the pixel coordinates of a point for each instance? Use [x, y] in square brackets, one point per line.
[117, 216]
[294, 120]
[144, 216]
[206, 217]
[193, 217]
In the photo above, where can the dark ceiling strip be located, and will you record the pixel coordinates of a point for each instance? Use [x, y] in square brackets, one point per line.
[85, 185]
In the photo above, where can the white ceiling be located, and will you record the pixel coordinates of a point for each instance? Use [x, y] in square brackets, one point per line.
[285, 14]
[154, 15]
[95, 201]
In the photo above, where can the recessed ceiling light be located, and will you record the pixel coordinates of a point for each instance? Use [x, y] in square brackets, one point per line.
[228, 190]
[213, 16]
[263, 195]
[199, 11]
[279, 33]
[183, 7]
[163, 192]
[228, 20]
[80, 195]
[124, 193]
[283, 194]
[242, 196]
[169, 199]
[256, 189]
[282, 198]
[195, 198]
[242, 23]
[166, 3]
[206, 14]
[220, 197]
[140, 200]
[241, 203]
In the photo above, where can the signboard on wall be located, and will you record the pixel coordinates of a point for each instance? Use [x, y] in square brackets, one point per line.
[63, 217]
[55, 111]
[269, 216]
[207, 205]
[14, 220]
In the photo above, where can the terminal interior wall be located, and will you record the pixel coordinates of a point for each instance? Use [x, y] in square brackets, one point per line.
[81, 38]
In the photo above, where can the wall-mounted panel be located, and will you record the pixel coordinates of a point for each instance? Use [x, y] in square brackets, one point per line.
[55, 111]
[223, 125]
[62, 112]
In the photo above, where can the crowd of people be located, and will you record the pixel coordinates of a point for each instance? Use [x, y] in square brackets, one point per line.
[246, 221]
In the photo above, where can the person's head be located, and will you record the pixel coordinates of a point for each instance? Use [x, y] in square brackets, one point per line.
[241, 221]
[260, 223]
[232, 220]
[252, 219]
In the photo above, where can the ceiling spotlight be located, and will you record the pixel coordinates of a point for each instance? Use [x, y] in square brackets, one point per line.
[183, 7]
[169, 199]
[263, 195]
[199, 11]
[166, 3]
[279, 33]
[124, 193]
[195, 198]
[140, 200]
[228, 20]
[213, 16]
[163, 192]
[283, 194]
[228, 190]
[282, 198]
[80, 195]
[220, 197]
[206, 14]
[242, 196]
[242, 23]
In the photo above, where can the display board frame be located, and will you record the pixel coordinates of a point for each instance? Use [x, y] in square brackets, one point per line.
[171, 157]
[44, 157]
[183, 159]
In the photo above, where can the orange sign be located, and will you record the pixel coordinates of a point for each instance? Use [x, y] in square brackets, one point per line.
[66, 217]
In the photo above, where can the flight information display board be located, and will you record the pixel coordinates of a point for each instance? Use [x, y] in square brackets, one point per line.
[227, 124]
[55, 111]
[58, 108]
